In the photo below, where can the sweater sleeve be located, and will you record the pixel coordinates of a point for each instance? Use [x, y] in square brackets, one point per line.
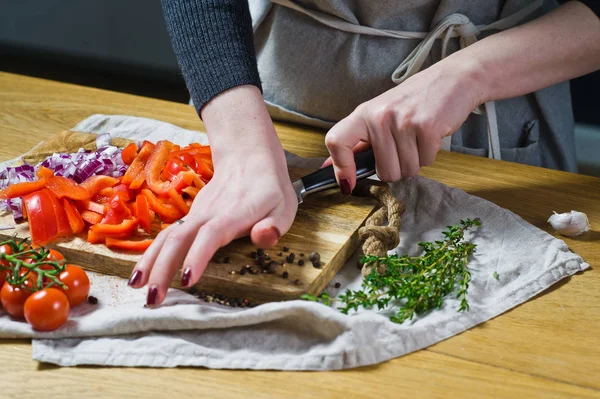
[213, 42]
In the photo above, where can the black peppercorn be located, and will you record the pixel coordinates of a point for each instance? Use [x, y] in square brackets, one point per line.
[302, 254]
[242, 271]
[285, 275]
[338, 285]
[254, 255]
[316, 264]
[285, 249]
[280, 254]
[227, 259]
[291, 257]
[260, 252]
[314, 257]
[301, 262]
[92, 300]
[272, 267]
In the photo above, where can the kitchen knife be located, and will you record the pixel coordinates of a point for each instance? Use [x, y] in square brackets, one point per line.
[324, 178]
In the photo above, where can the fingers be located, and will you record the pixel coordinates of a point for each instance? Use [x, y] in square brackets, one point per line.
[360, 147]
[340, 141]
[266, 233]
[213, 235]
[172, 254]
[142, 270]
[408, 153]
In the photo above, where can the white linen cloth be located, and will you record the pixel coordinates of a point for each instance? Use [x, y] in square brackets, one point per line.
[300, 335]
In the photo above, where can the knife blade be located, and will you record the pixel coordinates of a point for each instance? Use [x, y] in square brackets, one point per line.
[324, 178]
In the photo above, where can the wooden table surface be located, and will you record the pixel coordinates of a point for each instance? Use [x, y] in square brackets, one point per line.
[547, 347]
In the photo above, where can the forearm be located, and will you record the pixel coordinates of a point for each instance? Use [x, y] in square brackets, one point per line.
[559, 46]
[213, 42]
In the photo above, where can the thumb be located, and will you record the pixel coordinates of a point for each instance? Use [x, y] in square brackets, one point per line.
[340, 141]
[266, 233]
[360, 147]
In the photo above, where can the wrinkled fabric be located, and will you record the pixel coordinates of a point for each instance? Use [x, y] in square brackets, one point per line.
[300, 335]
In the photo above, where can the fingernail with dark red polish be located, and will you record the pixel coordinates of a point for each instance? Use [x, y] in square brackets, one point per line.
[276, 232]
[185, 277]
[345, 187]
[152, 294]
[135, 278]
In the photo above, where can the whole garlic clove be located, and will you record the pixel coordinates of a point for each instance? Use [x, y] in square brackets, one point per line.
[570, 224]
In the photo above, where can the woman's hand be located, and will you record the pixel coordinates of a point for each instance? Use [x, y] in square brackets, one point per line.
[250, 194]
[405, 125]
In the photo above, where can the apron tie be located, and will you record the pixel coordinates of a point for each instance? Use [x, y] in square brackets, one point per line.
[452, 26]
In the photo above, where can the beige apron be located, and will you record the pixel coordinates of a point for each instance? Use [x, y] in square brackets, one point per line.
[344, 49]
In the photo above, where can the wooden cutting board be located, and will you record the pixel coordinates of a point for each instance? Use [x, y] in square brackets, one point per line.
[326, 223]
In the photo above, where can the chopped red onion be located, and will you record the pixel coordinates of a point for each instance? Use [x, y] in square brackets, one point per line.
[77, 166]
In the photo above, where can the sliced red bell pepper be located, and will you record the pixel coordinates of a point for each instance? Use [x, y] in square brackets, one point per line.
[128, 226]
[191, 191]
[23, 189]
[203, 170]
[63, 187]
[124, 192]
[44, 172]
[155, 165]
[137, 166]
[42, 222]
[129, 153]
[142, 212]
[178, 201]
[129, 245]
[117, 210]
[91, 206]
[62, 221]
[96, 183]
[100, 238]
[75, 220]
[168, 213]
[107, 192]
[91, 217]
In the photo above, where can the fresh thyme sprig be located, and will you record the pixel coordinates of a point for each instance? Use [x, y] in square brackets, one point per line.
[414, 284]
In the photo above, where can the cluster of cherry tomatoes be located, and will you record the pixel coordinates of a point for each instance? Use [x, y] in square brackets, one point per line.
[38, 285]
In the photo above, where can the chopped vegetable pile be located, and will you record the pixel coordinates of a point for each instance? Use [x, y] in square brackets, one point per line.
[120, 198]
[38, 285]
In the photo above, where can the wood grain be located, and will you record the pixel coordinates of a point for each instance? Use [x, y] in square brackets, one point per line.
[547, 347]
[326, 223]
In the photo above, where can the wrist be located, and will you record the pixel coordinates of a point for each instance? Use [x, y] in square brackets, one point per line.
[468, 69]
[238, 119]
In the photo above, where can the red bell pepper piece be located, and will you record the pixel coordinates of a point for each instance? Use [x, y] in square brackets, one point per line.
[167, 212]
[96, 183]
[44, 172]
[62, 221]
[178, 201]
[191, 191]
[91, 206]
[142, 212]
[22, 189]
[124, 192]
[91, 217]
[203, 170]
[100, 238]
[107, 192]
[75, 220]
[117, 210]
[155, 165]
[129, 245]
[128, 226]
[137, 166]
[129, 153]
[63, 187]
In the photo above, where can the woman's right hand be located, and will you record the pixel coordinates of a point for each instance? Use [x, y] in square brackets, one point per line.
[250, 194]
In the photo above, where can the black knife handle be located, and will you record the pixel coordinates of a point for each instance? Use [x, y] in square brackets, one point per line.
[324, 178]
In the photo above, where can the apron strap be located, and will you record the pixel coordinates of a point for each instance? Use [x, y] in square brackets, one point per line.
[453, 25]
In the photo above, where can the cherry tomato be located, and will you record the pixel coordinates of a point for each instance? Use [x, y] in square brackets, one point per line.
[173, 167]
[5, 249]
[13, 299]
[3, 274]
[47, 310]
[77, 282]
[54, 255]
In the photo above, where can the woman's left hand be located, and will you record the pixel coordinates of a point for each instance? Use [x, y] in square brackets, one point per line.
[405, 125]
